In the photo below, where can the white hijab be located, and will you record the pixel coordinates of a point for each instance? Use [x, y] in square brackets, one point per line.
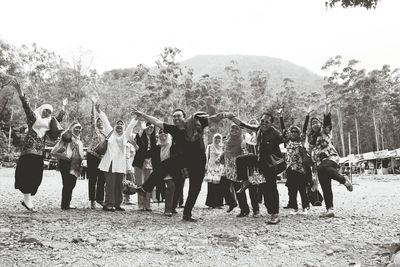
[41, 126]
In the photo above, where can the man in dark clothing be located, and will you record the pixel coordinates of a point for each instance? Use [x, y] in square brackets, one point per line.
[188, 138]
[268, 140]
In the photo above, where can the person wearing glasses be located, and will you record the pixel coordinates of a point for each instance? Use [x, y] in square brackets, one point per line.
[268, 140]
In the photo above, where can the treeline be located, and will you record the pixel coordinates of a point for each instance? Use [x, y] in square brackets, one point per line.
[47, 78]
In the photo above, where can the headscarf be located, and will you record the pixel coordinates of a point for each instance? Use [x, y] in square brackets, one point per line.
[165, 147]
[219, 148]
[41, 126]
[233, 146]
[191, 131]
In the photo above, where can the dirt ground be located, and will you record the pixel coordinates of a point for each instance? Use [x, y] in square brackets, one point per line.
[366, 223]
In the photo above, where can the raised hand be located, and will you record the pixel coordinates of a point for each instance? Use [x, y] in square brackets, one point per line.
[229, 115]
[279, 111]
[64, 103]
[97, 107]
[136, 112]
[17, 86]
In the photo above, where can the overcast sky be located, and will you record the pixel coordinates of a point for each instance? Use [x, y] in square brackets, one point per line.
[125, 33]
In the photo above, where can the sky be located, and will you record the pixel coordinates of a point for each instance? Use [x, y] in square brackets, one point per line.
[123, 34]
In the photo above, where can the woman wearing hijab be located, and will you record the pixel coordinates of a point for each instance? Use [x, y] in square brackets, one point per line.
[233, 149]
[142, 162]
[326, 159]
[95, 176]
[70, 168]
[214, 172]
[162, 151]
[113, 162]
[29, 171]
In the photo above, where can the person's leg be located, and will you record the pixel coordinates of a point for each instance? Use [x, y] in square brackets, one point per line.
[109, 202]
[254, 199]
[331, 171]
[196, 176]
[292, 188]
[92, 176]
[242, 200]
[64, 167]
[326, 186]
[271, 195]
[243, 163]
[165, 168]
[101, 180]
[71, 187]
[119, 177]
[146, 202]
[169, 195]
[178, 181]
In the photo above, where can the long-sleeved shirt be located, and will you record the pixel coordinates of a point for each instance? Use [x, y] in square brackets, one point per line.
[33, 144]
[115, 155]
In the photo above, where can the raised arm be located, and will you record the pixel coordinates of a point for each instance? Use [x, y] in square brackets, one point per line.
[30, 115]
[240, 123]
[129, 128]
[327, 121]
[104, 120]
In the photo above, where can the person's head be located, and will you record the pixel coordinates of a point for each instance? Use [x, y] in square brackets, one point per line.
[162, 136]
[178, 117]
[235, 130]
[266, 121]
[119, 127]
[99, 124]
[294, 133]
[76, 128]
[198, 126]
[45, 111]
[316, 125]
[149, 128]
[217, 139]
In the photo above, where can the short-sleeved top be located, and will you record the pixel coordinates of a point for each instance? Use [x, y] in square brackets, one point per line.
[183, 146]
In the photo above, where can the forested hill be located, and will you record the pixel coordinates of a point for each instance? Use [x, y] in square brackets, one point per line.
[277, 68]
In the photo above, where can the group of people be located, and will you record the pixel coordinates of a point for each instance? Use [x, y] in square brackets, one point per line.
[151, 153]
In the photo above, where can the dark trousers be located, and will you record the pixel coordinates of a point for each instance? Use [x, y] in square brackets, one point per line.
[242, 199]
[297, 182]
[69, 182]
[169, 195]
[328, 171]
[269, 189]
[178, 194]
[227, 191]
[96, 179]
[196, 169]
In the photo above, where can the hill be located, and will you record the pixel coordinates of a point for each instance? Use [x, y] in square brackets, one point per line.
[279, 69]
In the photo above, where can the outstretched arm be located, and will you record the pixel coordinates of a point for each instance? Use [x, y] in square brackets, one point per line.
[240, 123]
[153, 120]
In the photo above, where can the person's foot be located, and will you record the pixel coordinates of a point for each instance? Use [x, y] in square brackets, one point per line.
[287, 207]
[329, 213]
[105, 208]
[348, 184]
[189, 218]
[150, 210]
[174, 211]
[101, 203]
[168, 214]
[304, 212]
[68, 208]
[256, 214]
[274, 219]
[127, 202]
[243, 187]
[181, 206]
[141, 209]
[242, 214]
[31, 209]
[119, 209]
[92, 204]
[231, 207]
[294, 212]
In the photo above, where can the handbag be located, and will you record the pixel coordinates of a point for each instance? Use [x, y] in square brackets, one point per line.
[277, 164]
[129, 188]
[101, 147]
[55, 129]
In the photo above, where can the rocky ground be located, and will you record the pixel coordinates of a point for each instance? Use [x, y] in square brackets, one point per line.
[367, 223]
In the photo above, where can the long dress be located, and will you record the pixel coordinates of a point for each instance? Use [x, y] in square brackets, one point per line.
[213, 177]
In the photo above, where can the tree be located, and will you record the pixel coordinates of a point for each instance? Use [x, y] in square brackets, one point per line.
[368, 4]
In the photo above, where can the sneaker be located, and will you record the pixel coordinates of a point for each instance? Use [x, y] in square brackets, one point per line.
[304, 212]
[168, 214]
[348, 184]
[92, 205]
[274, 219]
[256, 214]
[329, 213]
[294, 212]
[242, 214]
[127, 202]
[119, 209]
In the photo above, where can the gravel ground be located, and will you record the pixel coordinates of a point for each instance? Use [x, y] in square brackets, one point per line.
[366, 224]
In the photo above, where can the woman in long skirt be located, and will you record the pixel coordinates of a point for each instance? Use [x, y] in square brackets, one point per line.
[29, 171]
[214, 173]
